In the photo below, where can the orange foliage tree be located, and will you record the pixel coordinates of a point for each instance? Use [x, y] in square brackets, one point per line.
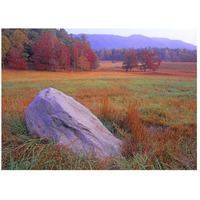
[83, 63]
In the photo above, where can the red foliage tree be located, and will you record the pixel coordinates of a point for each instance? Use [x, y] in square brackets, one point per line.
[80, 49]
[15, 58]
[91, 58]
[49, 54]
[64, 57]
[149, 60]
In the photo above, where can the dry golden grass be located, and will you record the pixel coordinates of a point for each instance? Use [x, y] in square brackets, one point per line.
[154, 113]
[106, 70]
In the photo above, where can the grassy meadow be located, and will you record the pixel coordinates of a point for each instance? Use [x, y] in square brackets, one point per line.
[155, 113]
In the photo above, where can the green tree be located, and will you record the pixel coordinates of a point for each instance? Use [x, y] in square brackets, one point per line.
[63, 36]
[83, 39]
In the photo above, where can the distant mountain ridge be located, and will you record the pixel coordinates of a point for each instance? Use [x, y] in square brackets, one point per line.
[107, 41]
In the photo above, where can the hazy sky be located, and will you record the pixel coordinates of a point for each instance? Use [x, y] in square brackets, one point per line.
[186, 35]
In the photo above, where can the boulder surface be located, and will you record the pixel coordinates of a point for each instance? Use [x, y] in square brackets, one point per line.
[61, 119]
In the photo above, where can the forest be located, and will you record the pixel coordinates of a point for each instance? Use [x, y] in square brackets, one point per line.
[166, 54]
[46, 49]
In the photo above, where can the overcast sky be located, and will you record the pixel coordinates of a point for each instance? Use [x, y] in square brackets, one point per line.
[186, 35]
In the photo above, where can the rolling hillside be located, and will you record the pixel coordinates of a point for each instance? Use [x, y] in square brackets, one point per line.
[101, 41]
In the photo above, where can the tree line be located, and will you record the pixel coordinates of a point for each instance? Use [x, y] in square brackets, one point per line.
[166, 54]
[46, 49]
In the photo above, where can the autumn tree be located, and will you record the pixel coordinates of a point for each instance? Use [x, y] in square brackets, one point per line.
[43, 55]
[130, 60]
[82, 49]
[18, 39]
[149, 60]
[83, 63]
[15, 58]
[92, 58]
[64, 61]
[49, 54]
[6, 45]
[46, 52]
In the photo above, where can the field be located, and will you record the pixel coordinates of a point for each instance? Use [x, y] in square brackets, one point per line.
[155, 113]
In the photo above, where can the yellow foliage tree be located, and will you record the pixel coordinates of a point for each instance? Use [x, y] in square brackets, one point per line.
[18, 39]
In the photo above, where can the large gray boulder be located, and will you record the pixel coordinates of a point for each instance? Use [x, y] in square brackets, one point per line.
[60, 118]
